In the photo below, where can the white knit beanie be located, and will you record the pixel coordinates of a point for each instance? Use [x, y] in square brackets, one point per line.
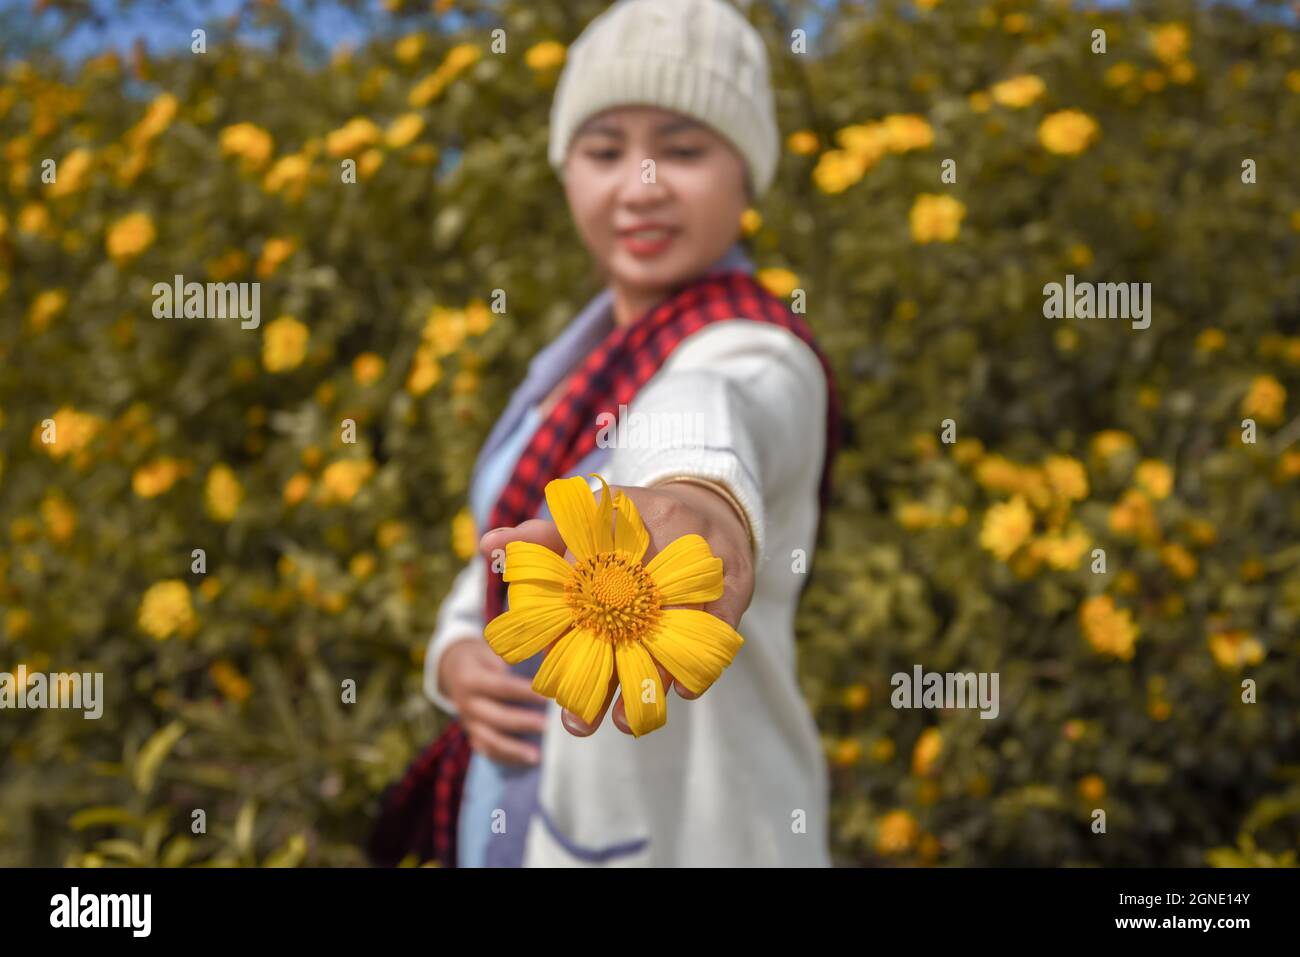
[697, 57]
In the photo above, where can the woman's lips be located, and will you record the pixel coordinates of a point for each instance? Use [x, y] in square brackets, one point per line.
[646, 243]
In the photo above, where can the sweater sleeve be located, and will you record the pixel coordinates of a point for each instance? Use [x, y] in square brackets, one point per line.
[459, 619]
[739, 403]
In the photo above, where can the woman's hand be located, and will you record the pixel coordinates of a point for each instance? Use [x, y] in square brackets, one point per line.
[487, 695]
[669, 511]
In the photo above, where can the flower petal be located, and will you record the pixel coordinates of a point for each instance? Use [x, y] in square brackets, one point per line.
[538, 595]
[694, 646]
[576, 674]
[574, 512]
[520, 633]
[528, 561]
[630, 533]
[686, 572]
[635, 668]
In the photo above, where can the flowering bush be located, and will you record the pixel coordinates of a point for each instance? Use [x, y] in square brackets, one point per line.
[249, 530]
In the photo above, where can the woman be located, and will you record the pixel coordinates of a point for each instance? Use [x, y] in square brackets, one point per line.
[663, 132]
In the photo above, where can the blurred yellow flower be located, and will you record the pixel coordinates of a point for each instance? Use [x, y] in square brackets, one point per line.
[1092, 788]
[275, 251]
[408, 49]
[1110, 630]
[846, 753]
[464, 540]
[1121, 74]
[284, 344]
[34, 219]
[1266, 400]
[367, 368]
[389, 533]
[1133, 515]
[296, 489]
[1155, 477]
[1062, 550]
[837, 170]
[444, 330]
[154, 478]
[1111, 442]
[802, 142]
[1288, 465]
[71, 173]
[165, 610]
[223, 493]
[45, 308]
[1179, 561]
[459, 58]
[289, 171]
[905, 132]
[425, 372]
[1182, 72]
[71, 432]
[59, 516]
[980, 102]
[355, 135]
[779, 282]
[1067, 476]
[1067, 132]
[896, 833]
[915, 516]
[1169, 42]
[369, 163]
[130, 236]
[926, 4]
[229, 681]
[251, 143]
[936, 218]
[546, 55]
[927, 750]
[341, 480]
[865, 142]
[1234, 649]
[1015, 23]
[156, 118]
[1019, 91]
[362, 565]
[856, 697]
[1210, 340]
[1007, 526]
[750, 221]
[403, 130]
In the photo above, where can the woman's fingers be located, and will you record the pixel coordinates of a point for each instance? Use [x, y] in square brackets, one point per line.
[579, 728]
[501, 747]
[536, 530]
[507, 718]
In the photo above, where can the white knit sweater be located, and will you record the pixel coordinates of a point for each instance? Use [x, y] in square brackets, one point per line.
[736, 777]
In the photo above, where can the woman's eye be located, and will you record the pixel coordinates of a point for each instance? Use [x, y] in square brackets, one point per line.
[686, 152]
[603, 156]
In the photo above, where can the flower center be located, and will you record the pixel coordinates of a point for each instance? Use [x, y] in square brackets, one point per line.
[613, 597]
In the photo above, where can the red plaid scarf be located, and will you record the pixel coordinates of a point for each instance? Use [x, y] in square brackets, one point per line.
[420, 812]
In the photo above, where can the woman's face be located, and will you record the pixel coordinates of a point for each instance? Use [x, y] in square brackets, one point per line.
[654, 225]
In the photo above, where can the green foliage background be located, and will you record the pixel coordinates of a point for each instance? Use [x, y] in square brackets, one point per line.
[921, 333]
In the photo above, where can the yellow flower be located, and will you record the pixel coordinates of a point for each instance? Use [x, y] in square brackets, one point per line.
[45, 308]
[1111, 442]
[750, 221]
[837, 170]
[478, 318]
[1155, 477]
[367, 368]
[129, 237]
[369, 163]
[156, 118]
[1182, 72]
[409, 48]
[425, 372]
[1121, 74]
[357, 134]
[1092, 788]
[249, 142]
[1110, 630]
[802, 142]
[1007, 526]
[389, 533]
[867, 142]
[896, 833]
[154, 478]
[1019, 91]
[1067, 132]
[284, 344]
[1169, 42]
[927, 750]
[60, 518]
[926, 4]
[459, 58]
[289, 171]
[1015, 23]
[607, 614]
[229, 681]
[35, 219]
[1266, 400]
[1067, 477]
[296, 489]
[444, 330]
[1133, 515]
[904, 132]
[779, 282]
[1233, 649]
[1179, 561]
[1062, 551]
[403, 130]
[223, 493]
[362, 565]
[341, 480]
[856, 697]
[846, 753]
[72, 172]
[546, 55]
[1210, 340]
[915, 516]
[166, 610]
[464, 540]
[980, 102]
[72, 432]
[936, 218]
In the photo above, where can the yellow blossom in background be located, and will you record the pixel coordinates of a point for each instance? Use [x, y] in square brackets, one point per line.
[1111, 442]
[444, 330]
[459, 58]
[251, 143]
[389, 533]
[980, 102]
[546, 55]
[157, 118]
[71, 173]
[906, 132]
[936, 218]
[154, 478]
[1155, 478]
[1007, 526]
[71, 432]
[1092, 788]
[426, 372]
[1121, 74]
[1067, 132]
[362, 565]
[369, 163]
[1110, 630]
[1266, 400]
[45, 308]
[284, 344]
[1015, 23]
[355, 135]
[59, 516]
[1288, 465]
[1019, 91]
[1233, 650]
[341, 480]
[865, 142]
[1210, 340]
[1169, 42]
[1134, 515]
[129, 236]
[1067, 476]
[915, 516]
[750, 221]
[464, 540]
[229, 681]
[846, 753]
[1182, 72]
[856, 697]
[228, 265]
[368, 368]
[779, 282]
[403, 130]
[222, 493]
[1179, 561]
[927, 750]
[896, 833]
[34, 219]
[408, 49]
[837, 170]
[165, 610]
[296, 489]
[1062, 550]
[802, 143]
[289, 173]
